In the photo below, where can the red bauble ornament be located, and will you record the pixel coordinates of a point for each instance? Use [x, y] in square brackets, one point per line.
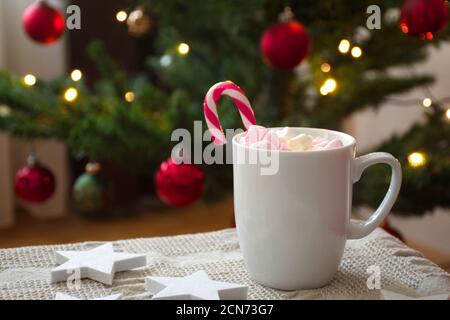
[423, 18]
[34, 183]
[43, 23]
[179, 184]
[285, 44]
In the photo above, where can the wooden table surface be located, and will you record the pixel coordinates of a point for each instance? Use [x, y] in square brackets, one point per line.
[144, 222]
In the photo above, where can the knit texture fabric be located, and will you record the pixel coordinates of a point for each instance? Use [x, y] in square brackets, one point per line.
[25, 272]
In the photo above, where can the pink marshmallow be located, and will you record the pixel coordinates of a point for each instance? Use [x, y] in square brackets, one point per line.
[335, 143]
[268, 139]
[322, 144]
[273, 139]
[269, 142]
[317, 140]
[264, 145]
[254, 133]
[283, 146]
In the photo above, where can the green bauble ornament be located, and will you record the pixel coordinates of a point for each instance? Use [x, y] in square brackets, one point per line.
[92, 192]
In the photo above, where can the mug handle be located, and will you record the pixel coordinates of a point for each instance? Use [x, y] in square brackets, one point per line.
[361, 229]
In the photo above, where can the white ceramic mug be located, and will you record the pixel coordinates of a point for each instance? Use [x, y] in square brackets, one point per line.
[292, 225]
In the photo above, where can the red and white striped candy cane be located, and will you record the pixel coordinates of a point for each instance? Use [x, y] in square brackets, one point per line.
[213, 95]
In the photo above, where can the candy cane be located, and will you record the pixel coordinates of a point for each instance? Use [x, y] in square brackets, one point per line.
[213, 95]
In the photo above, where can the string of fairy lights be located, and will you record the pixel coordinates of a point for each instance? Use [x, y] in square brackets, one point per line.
[71, 93]
[330, 84]
[415, 159]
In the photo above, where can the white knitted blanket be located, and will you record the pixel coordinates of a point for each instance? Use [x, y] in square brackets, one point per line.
[24, 272]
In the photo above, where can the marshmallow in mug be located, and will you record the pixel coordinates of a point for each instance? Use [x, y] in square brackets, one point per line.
[285, 139]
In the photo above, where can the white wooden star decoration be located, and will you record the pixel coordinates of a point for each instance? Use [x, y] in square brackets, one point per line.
[99, 264]
[197, 286]
[64, 296]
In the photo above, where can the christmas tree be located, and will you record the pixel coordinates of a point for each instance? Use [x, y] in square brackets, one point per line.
[129, 118]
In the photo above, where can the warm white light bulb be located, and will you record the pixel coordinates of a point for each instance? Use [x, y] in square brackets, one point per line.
[356, 52]
[330, 84]
[427, 102]
[416, 159]
[129, 96]
[121, 16]
[183, 48]
[29, 80]
[76, 75]
[344, 46]
[70, 94]
[325, 67]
